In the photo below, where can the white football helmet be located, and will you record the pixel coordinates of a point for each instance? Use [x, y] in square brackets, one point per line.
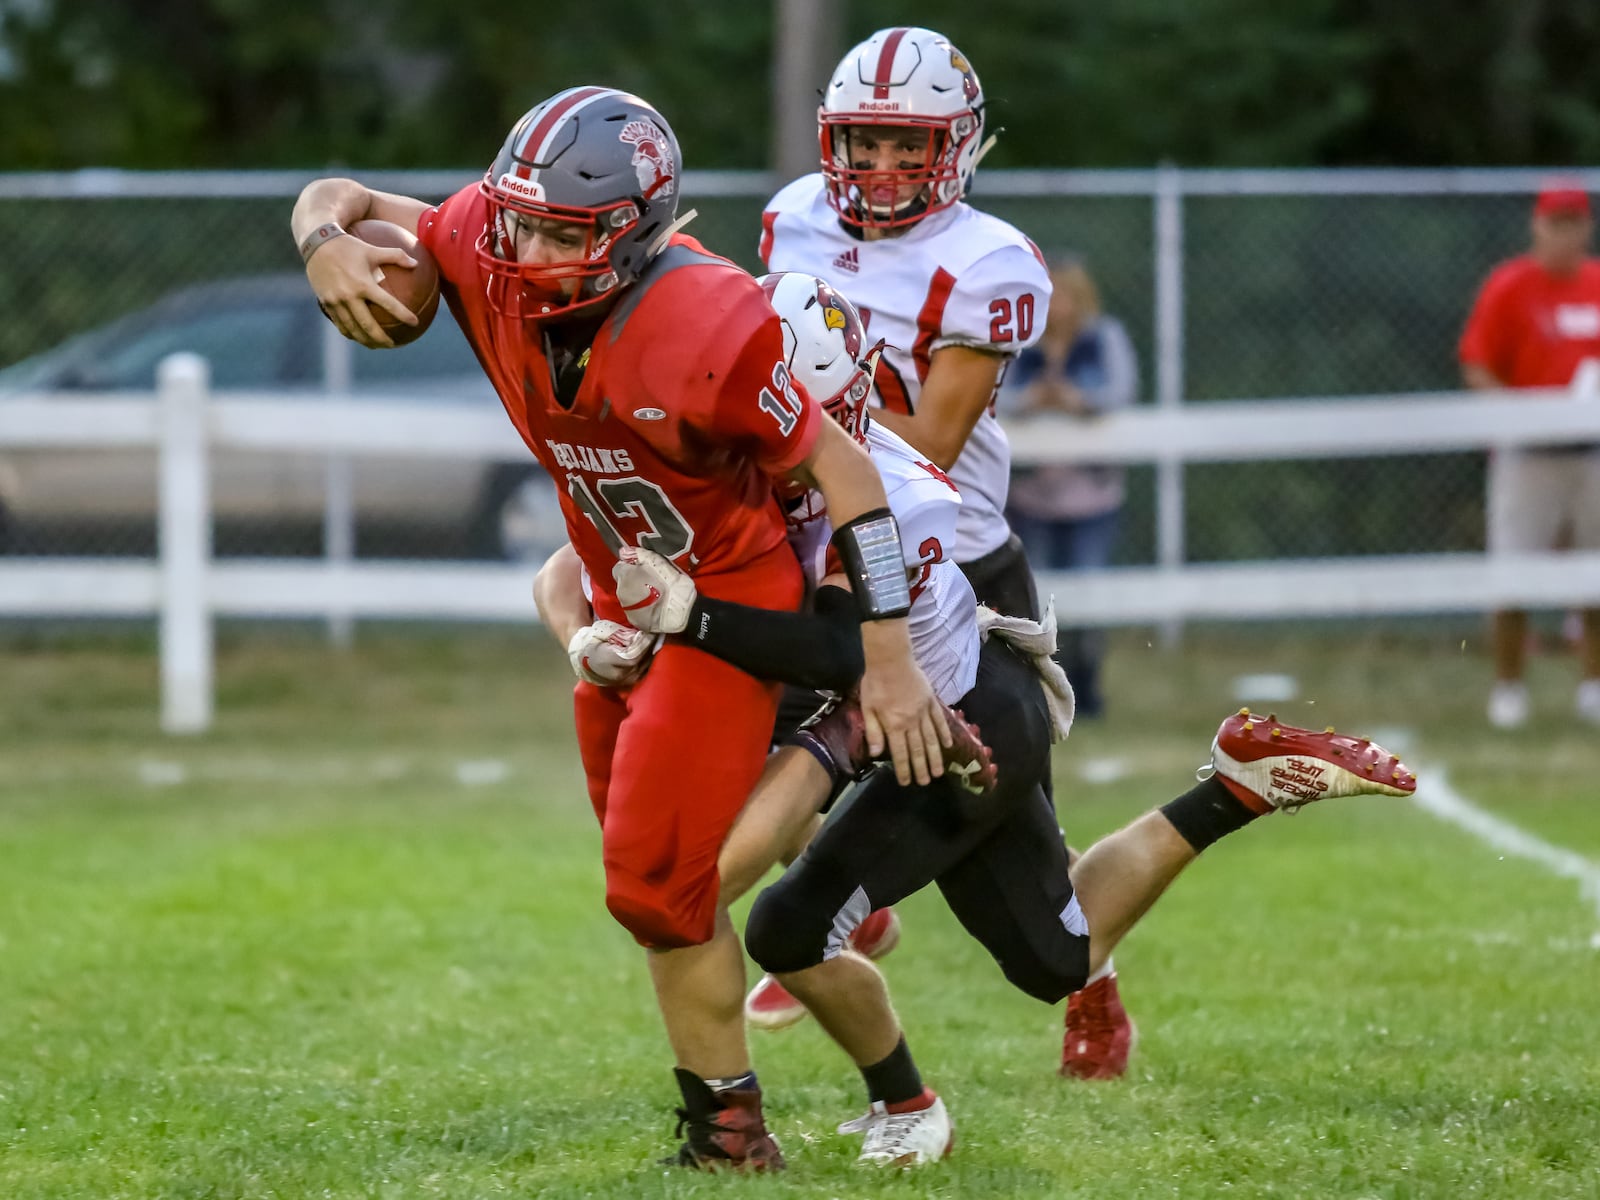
[825, 345]
[825, 348]
[907, 77]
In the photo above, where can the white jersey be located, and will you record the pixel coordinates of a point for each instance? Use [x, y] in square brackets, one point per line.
[944, 611]
[958, 277]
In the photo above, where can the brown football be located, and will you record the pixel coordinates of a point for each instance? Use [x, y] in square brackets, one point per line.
[415, 287]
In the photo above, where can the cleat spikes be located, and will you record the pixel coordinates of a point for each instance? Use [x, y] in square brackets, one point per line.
[1284, 766]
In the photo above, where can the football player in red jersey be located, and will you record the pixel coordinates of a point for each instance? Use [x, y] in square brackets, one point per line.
[647, 377]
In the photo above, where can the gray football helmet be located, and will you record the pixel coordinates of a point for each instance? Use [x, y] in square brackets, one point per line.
[590, 155]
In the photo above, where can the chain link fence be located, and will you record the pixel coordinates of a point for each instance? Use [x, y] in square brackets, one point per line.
[1293, 284]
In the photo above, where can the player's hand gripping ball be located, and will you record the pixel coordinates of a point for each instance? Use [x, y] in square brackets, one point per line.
[415, 287]
[653, 593]
[607, 654]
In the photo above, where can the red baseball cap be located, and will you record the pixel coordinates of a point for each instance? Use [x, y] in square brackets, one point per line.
[1561, 201]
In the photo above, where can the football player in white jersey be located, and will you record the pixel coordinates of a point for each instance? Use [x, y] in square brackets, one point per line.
[953, 291]
[956, 293]
[986, 833]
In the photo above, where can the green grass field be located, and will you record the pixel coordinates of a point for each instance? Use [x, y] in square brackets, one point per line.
[352, 944]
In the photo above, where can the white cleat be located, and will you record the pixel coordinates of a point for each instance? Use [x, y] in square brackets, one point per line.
[904, 1139]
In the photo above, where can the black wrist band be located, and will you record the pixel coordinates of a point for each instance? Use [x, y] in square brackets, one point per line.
[318, 238]
[876, 564]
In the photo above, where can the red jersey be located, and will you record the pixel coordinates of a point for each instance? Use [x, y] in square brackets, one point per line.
[684, 415]
[1532, 328]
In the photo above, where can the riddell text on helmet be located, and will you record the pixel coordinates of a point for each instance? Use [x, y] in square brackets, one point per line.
[523, 187]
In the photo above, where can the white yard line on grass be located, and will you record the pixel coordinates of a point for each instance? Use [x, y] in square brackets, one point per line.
[1436, 796]
[468, 772]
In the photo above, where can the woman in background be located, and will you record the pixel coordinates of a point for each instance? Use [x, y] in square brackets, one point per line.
[1068, 515]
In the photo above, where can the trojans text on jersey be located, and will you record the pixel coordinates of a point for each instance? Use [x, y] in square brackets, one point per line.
[599, 461]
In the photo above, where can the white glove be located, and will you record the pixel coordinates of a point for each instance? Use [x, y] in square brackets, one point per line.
[610, 655]
[654, 594]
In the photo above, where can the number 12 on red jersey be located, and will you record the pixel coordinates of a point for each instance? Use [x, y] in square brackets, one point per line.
[784, 406]
[667, 533]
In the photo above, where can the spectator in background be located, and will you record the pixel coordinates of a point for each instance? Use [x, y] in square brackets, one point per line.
[1536, 319]
[1068, 515]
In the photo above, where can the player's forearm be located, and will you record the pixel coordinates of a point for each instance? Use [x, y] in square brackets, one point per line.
[340, 201]
[846, 477]
[941, 441]
[852, 488]
[883, 641]
[558, 595]
[343, 202]
[956, 394]
[817, 649]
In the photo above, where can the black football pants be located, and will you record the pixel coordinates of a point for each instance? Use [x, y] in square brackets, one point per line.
[999, 859]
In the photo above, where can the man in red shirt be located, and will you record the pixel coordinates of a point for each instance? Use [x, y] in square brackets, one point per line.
[1537, 318]
[648, 378]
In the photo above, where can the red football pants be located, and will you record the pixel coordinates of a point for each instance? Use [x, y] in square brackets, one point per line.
[670, 762]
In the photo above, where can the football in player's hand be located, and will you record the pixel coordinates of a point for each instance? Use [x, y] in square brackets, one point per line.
[415, 287]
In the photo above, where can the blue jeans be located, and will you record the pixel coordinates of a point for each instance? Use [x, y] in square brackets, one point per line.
[1068, 545]
[1074, 545]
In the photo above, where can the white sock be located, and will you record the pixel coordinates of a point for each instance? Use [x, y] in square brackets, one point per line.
[1106, 968]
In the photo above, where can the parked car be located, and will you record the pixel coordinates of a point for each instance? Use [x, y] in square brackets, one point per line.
[265, 333]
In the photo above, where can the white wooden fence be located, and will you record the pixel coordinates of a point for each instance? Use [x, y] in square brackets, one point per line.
[186, 589]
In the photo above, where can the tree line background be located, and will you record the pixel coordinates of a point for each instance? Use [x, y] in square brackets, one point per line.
[409, 83]
[1285, 296]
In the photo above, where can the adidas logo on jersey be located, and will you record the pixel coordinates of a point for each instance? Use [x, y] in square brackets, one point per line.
[848, 261]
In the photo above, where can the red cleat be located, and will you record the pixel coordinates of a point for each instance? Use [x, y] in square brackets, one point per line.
[733, 1138]
[1277, 765]
[1099, 1034]
[770, 1005]
[877, 935]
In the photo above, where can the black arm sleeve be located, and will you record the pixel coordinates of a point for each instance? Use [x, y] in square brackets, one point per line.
[816, 649]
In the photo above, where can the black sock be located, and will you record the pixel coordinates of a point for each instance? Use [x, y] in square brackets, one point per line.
[701, 1096]
[1206, 812]
[895, 1079]
[697, 1098]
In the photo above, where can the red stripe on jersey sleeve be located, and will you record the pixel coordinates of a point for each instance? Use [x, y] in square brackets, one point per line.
[891, 388]
[768, 219]
[931, 319]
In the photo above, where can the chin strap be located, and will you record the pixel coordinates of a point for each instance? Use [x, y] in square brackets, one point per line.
[662, 238]
[988, 145]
